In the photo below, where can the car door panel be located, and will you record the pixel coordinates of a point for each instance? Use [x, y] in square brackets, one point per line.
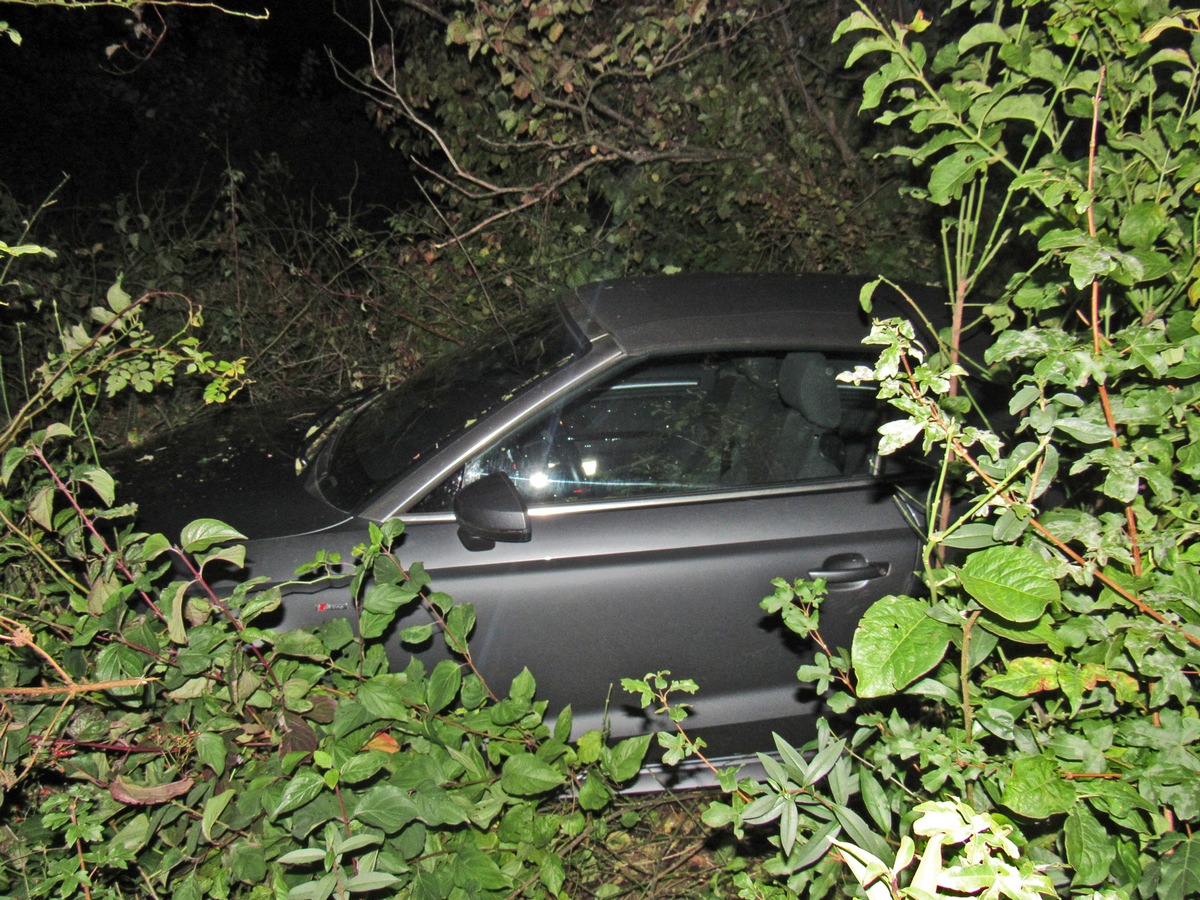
[615, 591]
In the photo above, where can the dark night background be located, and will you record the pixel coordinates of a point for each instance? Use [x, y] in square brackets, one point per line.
[216, 91]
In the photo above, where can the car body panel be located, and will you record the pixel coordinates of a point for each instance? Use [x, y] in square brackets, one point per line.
[612, 587]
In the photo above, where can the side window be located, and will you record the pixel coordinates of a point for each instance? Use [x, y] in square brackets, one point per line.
[689, 425]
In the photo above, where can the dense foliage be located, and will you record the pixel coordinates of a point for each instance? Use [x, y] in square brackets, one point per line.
[560, 142]
[1029, 726]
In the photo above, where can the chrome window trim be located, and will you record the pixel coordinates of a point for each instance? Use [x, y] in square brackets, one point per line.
[552, 510]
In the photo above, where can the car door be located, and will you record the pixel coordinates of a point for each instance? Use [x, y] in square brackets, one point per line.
[662, 503]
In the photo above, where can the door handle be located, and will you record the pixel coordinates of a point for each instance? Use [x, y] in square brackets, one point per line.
[845, 568]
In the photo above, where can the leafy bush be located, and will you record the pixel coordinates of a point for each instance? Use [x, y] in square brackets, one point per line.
[153, 739]
[1031, 721]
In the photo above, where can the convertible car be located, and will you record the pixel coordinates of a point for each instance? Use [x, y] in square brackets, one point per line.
[613, 482]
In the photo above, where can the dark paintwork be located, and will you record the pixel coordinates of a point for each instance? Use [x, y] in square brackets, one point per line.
[612, 589]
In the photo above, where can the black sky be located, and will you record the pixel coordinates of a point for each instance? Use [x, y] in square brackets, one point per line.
[216, 90]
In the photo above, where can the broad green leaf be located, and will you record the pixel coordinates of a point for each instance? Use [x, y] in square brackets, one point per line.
[551, 873]
[1028, 107]
[1090, 851]
[1013, 582]
[1143, 223]
[1037, 788]
[384, 696]
[952, 173]
[214, 807]
[247, 862]
[435, 807]
[210, 748]
[413, 634]
[443, 685]
[594, 794]
[300, 789]
[1039, 632]
[12, 459]
[118, 298]
[174, 600]
[1181, 870]
[41, 508]
[523, 686]
[1086, 431]
[370, 881]
[132, 837]
[386, 598]
[477, 872]
[302, 857]
[100, 481]
[894, 644]
[624, 760]
[201, 534]
[386, 807]
[301, 644]
[524, 775]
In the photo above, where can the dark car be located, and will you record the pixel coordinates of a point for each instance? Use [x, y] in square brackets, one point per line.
[613, 483]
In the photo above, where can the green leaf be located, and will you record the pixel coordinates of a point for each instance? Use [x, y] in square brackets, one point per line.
[100, 481]
[815, 847]
[1039, 632]
[894, 644]
[301, 644]
[384, 696]
[210, 749]
[1013, 582]
[213, 808]
[1143, 223]
[523, 686]
[623, 761]
[951, 174]
[443, 685]
[201, 534]
[1037, 788]
[247, 862]
[370, 881]
[1181, 870]
[527, 776]
[594, 794]
[302, 857]
[386, 807]
[11, 460]
[1090, 851]
[118, 298]
[300, 789]
[982, 33]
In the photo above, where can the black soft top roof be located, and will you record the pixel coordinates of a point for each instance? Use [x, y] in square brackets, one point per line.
[681, 313]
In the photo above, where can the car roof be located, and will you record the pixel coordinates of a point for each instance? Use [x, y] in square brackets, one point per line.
[681, 313]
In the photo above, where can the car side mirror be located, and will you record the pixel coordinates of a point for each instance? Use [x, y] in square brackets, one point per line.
[490, 510]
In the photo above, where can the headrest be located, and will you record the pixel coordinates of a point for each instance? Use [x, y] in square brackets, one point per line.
[808, 383]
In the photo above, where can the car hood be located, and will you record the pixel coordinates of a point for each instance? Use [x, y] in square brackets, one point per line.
[234, 464]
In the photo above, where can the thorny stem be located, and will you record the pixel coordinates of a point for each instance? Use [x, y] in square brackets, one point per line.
[1130, 517]
[87, 890]
[91, 527]
[457, 646]
[239, 626]
[964, 672]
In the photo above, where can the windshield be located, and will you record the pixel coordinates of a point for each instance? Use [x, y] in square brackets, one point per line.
[401, 427]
